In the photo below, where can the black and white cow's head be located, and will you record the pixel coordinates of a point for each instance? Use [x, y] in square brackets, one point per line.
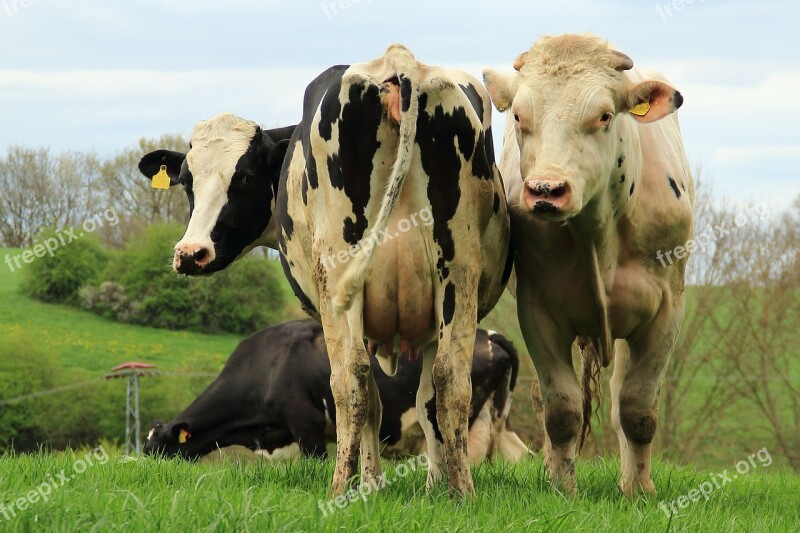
[170, 439]
[230, 176]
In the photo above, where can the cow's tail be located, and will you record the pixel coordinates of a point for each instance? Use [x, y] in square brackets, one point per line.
[590, 384]
[511, 350]
[407, 72]
[507, 443]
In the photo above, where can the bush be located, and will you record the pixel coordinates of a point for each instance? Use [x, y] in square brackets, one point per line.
[109, 300]
[245, 297]
[58, 277]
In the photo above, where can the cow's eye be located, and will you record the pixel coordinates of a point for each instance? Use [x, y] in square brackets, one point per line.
[606, 117]
[516, 117]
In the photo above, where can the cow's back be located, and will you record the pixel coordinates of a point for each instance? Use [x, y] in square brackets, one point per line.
[335, 178]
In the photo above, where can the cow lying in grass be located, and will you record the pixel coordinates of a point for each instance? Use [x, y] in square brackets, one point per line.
[274, 397]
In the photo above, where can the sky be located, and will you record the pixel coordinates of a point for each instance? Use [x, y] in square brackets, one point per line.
[90, 75]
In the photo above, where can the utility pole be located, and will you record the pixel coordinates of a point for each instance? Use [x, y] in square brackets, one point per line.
[132, 371]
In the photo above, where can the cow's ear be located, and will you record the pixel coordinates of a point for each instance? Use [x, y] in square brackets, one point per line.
[151, 164]
[652, 100]
[501, 86]
[180, 432]
[276, 154]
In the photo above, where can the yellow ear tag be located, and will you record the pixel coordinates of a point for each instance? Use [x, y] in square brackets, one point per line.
[640, 110]
[184, 435]
[160, 180]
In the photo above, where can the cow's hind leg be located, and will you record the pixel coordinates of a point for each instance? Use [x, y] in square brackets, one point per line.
[370, 432]
[637, 373]
[451, 373]
[426, 414]
[350, 378]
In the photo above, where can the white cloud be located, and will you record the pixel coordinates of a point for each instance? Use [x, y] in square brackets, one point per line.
[89, 75]
[78, 109]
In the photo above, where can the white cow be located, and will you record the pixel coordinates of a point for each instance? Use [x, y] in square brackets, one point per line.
[598, 186]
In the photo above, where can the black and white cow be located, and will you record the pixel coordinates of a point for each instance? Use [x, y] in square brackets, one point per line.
[230, 176]
[274, 397]
[439, 233]
[382, 146]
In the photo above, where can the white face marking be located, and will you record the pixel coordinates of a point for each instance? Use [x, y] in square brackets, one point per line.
[292, 451]
[150, 435]
[217, 146]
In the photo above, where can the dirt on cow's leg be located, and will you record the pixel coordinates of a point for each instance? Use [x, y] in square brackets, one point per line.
[538, 407]
[550, 350]
[350, 370]
[370, 436]
[628, 473]
[637, 374]
[370, 430]
[426, 414]
[451, 377]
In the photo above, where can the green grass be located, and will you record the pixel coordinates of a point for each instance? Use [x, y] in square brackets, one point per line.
[83, 340]
[159, 495]
[88, 346]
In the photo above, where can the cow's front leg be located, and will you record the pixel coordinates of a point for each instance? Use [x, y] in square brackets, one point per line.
[451, 375]
[638, 369]
[550, 350]
[426, 414]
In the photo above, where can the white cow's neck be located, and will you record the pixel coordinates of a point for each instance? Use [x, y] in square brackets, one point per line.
[597, 225]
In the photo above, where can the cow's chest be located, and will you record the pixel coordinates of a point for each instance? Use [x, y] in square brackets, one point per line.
[560, 273]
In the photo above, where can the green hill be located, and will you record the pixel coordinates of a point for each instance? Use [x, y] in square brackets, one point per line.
[82, 340]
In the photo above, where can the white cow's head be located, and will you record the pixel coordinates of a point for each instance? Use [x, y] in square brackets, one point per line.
[230, 177]
[570, 101]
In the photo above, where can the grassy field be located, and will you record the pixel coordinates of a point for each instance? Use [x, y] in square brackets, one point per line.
[149, 494]
[86, 341]
[89, 346]
[158, 495]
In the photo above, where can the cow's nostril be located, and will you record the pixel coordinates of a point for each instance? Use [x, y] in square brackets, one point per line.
[559, 191]
[535, 191]
[200, 254]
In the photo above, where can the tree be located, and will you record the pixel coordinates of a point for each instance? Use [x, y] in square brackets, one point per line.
[42, 190]
[136, 202]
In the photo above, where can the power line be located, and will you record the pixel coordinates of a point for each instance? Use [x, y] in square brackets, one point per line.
[80, 384]
[49, 392]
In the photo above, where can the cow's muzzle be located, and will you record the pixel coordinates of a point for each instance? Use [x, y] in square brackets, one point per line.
[547, 196]
[191, 259]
